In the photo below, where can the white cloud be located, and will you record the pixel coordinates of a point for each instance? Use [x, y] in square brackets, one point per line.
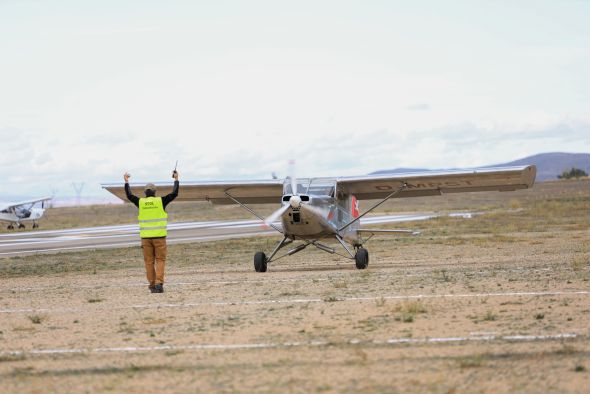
[236, 92]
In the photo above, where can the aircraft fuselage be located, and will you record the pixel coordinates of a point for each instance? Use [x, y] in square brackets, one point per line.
[320, 216]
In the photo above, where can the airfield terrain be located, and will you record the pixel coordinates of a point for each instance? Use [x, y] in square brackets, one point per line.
[499, 302]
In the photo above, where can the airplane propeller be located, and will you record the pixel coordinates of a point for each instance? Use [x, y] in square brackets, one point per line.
[276, 214]
[294, 201]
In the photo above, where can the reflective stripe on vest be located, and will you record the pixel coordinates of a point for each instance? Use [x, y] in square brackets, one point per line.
[152, 218]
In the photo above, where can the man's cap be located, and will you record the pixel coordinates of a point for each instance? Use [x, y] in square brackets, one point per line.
[150, 186]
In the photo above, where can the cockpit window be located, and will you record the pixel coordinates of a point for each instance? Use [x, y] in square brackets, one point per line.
[324, 187]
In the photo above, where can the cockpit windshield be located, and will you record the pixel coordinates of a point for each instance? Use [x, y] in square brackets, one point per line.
[323, 187]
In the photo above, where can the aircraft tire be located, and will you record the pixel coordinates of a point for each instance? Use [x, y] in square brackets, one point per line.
[362, 258]
[260, 262]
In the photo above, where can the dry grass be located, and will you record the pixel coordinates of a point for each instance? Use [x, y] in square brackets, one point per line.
[542, 246]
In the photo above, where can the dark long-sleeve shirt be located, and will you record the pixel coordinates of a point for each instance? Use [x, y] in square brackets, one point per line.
[167, 199]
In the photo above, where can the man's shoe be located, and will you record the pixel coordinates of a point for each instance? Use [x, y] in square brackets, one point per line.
[159, 288]
[152, 289]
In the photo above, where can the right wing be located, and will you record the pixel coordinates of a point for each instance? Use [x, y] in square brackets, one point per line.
[247, 192]
[433, 183]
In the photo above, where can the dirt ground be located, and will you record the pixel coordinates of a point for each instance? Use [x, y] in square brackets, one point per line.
[497, 303]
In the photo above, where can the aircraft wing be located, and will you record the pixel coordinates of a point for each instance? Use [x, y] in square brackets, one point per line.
[247, 192]
[432, 183]
[428, 183]
[5, 206]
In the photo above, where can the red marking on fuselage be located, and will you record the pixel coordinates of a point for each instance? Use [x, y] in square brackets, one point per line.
[354, 207]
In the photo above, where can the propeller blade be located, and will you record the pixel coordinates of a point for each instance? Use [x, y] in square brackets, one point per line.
[276, 214]
[294, 186]
[314, 210]
[292, 177]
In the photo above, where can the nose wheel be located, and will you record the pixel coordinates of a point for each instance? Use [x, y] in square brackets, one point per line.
[260, 262]
[361, 258]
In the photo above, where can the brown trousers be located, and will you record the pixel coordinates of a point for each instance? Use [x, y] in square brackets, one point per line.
[154, 256]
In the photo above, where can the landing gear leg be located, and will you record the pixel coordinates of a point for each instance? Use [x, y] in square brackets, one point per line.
[361, 258]
[260, 259]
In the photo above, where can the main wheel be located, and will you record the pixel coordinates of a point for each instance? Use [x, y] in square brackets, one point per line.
[260, 262]
[21, 226]
[361, 258]
[10, 227]
[35, 225]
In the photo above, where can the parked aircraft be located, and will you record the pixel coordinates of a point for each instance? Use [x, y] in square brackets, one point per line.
[314, 209]
[17, 213]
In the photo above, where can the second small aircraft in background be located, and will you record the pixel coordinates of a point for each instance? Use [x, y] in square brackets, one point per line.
[16, 214]
[314, 209]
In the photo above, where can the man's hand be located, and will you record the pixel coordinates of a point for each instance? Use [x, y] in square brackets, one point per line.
[175, 175]
[126, 176]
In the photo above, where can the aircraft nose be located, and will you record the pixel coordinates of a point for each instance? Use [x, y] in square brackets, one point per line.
[295, 201]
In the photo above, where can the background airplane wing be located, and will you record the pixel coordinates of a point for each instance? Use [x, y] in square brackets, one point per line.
[247, 192]
[431, 183]
[5, 206]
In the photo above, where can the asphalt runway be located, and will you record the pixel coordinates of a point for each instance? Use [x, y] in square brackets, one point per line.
[53, 241]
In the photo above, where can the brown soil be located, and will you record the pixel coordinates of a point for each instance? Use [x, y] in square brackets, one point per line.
[490, 306]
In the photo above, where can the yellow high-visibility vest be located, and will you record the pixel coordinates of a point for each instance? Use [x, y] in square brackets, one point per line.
[152, 218]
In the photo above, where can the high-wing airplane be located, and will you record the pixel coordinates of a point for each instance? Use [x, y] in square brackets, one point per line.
[314, 209]
[23, 211]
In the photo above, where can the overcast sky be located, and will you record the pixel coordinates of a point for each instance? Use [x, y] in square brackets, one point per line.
[233, 89]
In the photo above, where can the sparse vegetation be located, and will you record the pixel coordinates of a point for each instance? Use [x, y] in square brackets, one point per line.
[578, 263]
[470, 362]
[442, 275]
[490, 316]
[12, 357]
[340, 284]
[36, 319]
[379, 302]
[573, 173]
[408, 310]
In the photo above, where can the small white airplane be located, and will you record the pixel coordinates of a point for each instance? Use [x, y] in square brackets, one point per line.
[314, 209]
[22, 211]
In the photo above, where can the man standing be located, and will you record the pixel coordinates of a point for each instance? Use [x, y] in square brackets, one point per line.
[153, 220]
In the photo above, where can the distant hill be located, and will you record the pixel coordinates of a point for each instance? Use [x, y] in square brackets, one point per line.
[549, 165]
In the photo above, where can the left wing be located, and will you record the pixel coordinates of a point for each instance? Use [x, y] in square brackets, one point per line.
[6, 206]
[247, 192]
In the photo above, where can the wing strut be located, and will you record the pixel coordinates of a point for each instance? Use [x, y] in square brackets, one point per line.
[247, 208]
[398, 190]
